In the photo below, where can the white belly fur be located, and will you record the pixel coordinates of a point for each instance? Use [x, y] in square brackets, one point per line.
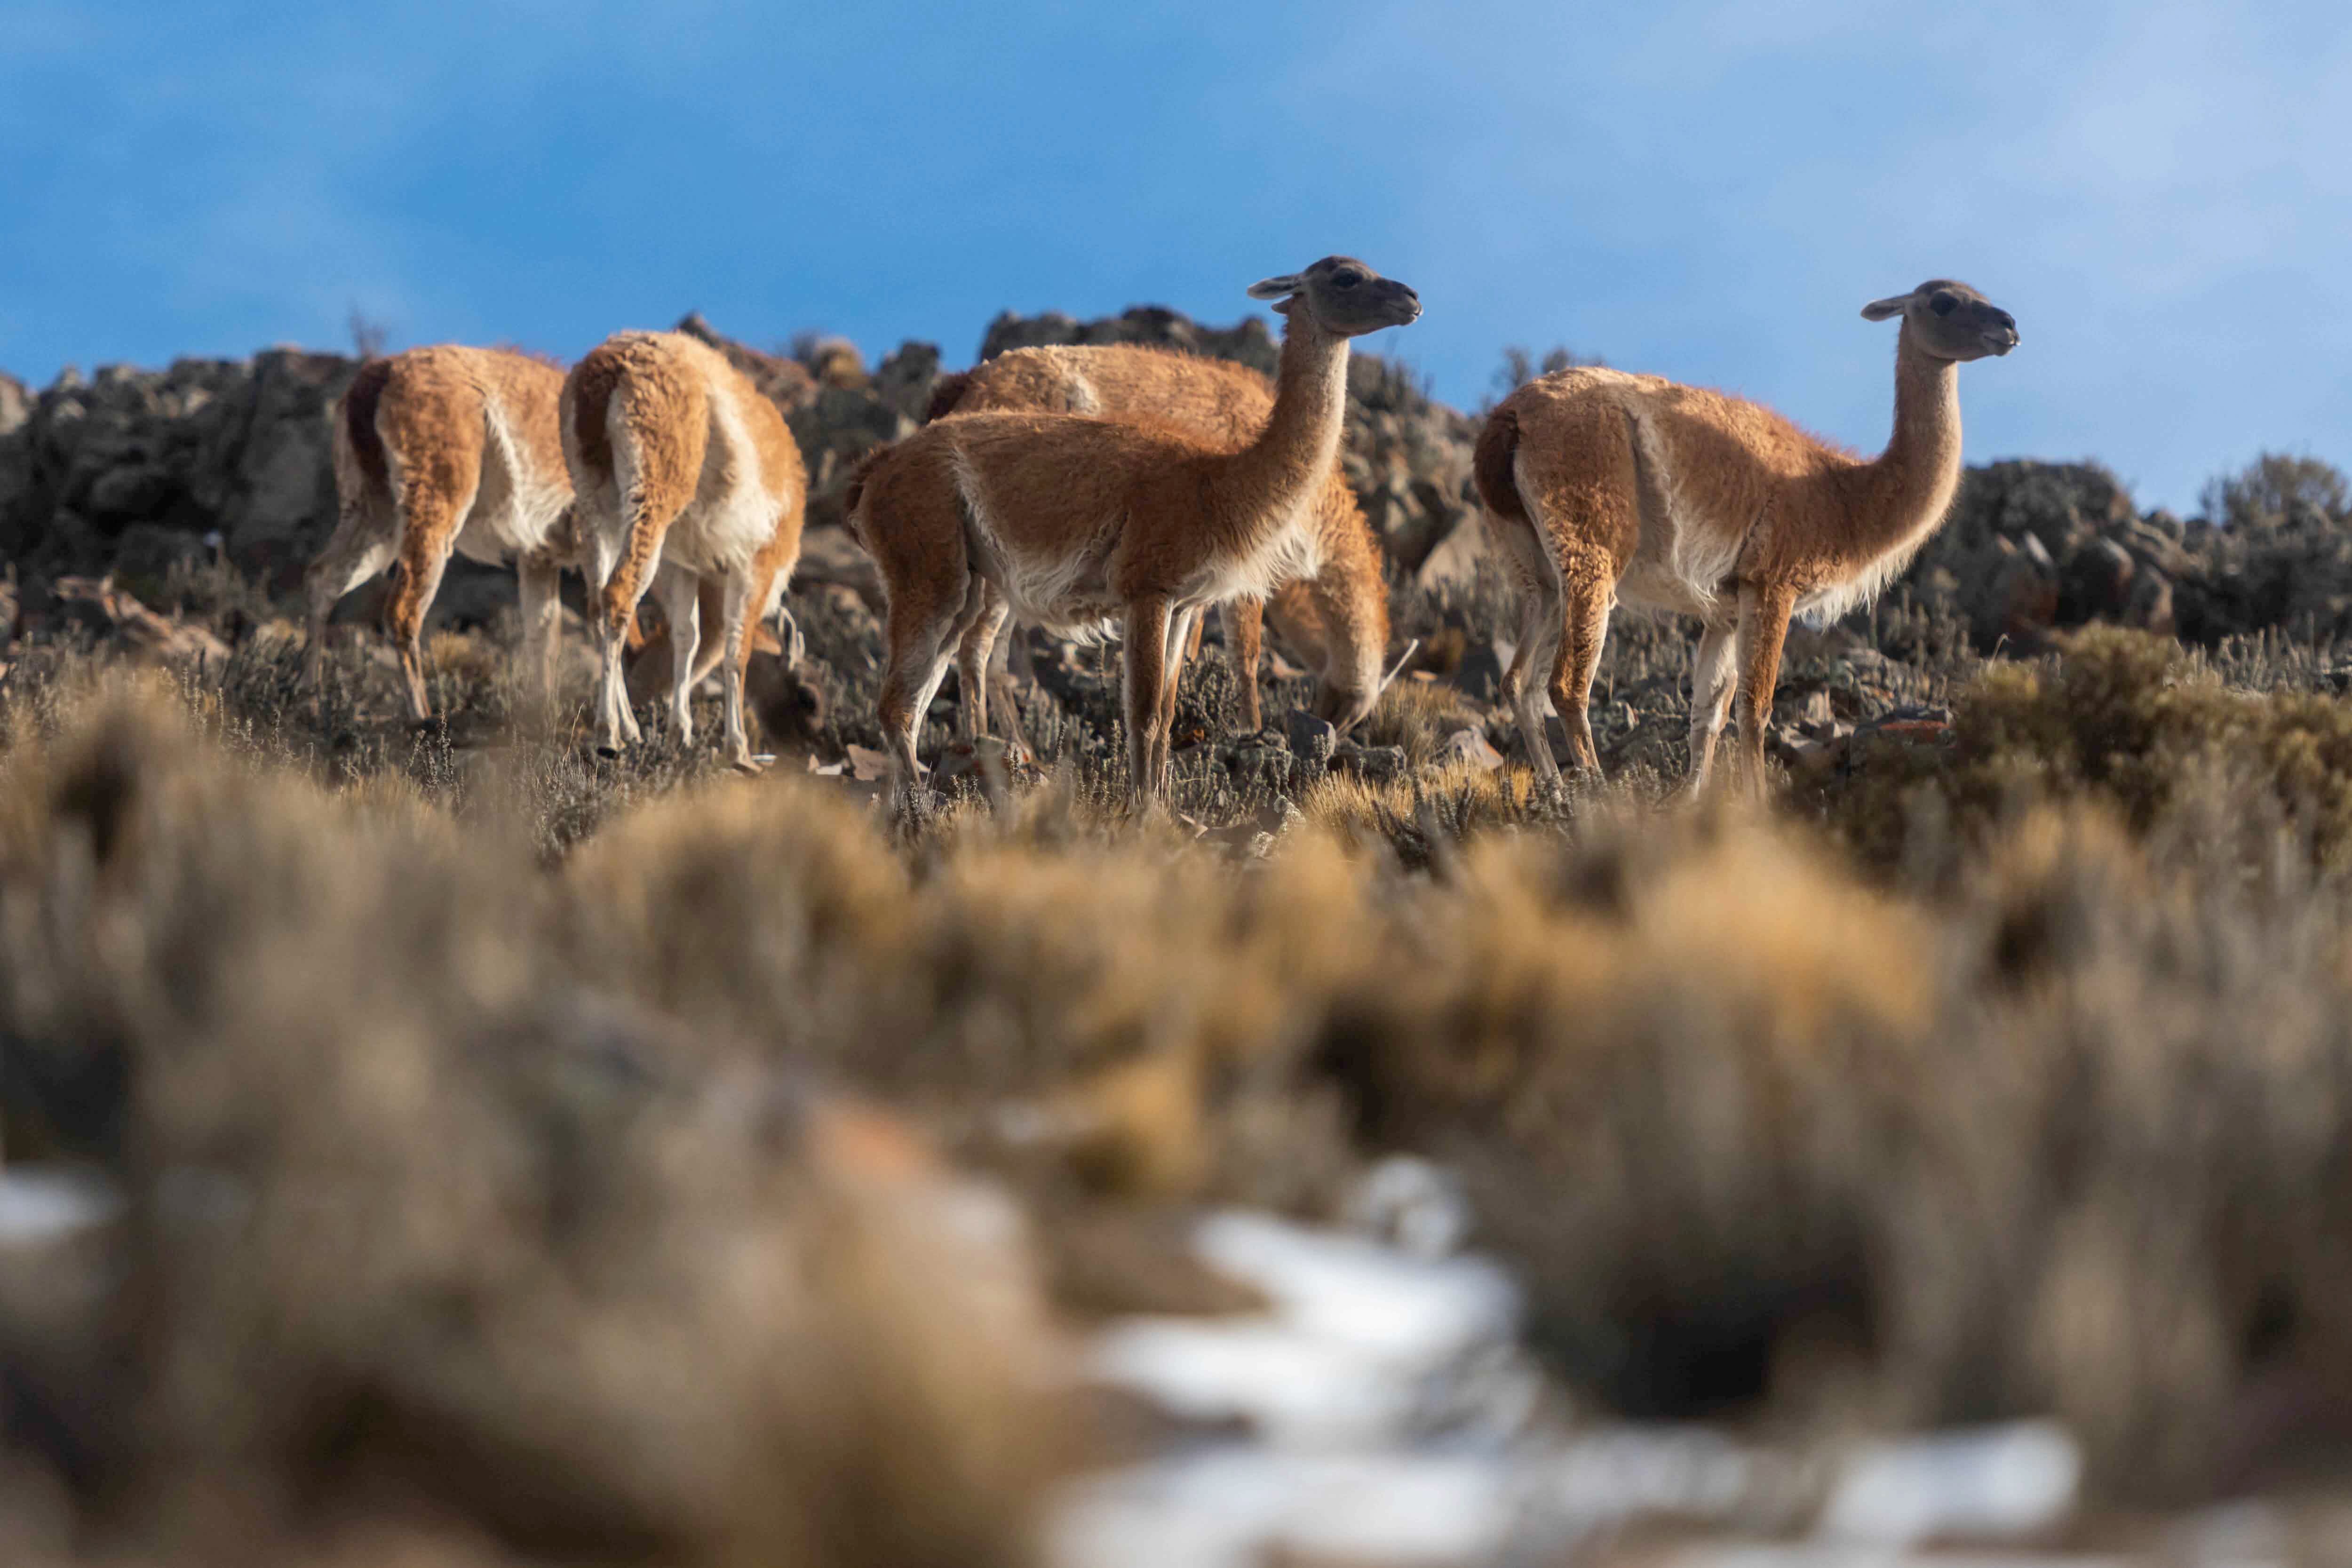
[515, 506]
[733, 513]
[1070, 597]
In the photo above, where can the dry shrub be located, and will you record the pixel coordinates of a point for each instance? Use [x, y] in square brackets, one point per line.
[1640, 1053]
[421, 1228]
[1134, 1001]
[1447, 803]
[1418, 716]
[505, 1172]
[2131, 722]
[2076, 1144]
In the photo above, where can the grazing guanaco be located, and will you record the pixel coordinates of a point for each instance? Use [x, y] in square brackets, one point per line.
[1602, 486]
[439, 450]
[1338, 618]
[1073, 520]
[684, 475]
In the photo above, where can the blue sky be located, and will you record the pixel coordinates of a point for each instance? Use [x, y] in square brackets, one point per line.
[1710, 189]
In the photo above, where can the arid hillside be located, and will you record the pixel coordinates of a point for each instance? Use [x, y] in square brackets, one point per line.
[443, 1144]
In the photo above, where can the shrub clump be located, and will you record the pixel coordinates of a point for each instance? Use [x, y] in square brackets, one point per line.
[2129, 721]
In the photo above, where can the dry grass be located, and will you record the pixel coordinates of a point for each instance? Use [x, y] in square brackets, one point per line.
[422, 1225]
[2132, 722]
[1418, 716]
[2075, 1141]
[488, 1115]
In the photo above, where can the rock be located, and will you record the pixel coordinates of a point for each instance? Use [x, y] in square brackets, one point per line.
[1374, 764]
[2025, 596]
[134, 492]
[1455, 563]
[472, 595]
[147, 552]
[903, 380]
[124, 623]
[2149, 606]
[2095, 583]
[1311, 739]
[832, 556]
[1471, 746]
[986, 763]
[239, 447]
[789, 706]
[836, 429]
[1480, 673]
[834, 362]
[1261, 762]
[16, 404]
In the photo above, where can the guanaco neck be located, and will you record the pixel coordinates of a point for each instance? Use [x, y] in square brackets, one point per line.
[1271, 482]
[1904, 492]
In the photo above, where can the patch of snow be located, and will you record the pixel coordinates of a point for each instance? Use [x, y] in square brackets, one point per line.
[1364, 1345]
[1413, 1205]
[42, 1203]
[1856, 1555]
[1392, 1419]
[1685, 1470]
[1992, 1481]
[1230, 1506]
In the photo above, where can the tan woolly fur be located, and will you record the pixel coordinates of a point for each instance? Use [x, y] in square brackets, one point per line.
[442, 450]
[689, 484]
[1601, 486]
[1072, 520]
[1338, 617]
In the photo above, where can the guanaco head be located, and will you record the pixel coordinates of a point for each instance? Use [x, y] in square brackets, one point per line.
[1343, 297]
[1949, 321]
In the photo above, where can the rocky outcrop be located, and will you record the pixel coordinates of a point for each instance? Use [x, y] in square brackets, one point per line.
[2032, 548]
[144, 462]
[847, 416]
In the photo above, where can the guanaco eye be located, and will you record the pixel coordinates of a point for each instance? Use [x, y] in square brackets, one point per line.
[1347, 279]
[1943, 304]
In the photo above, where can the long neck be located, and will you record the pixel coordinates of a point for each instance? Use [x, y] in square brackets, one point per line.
[1268, 483]
[1908, 488]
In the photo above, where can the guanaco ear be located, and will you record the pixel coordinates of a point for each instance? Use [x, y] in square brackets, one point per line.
[1278, 287]
[1879, 310]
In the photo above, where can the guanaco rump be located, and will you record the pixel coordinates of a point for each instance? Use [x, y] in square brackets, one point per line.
[1602, 485]
[443, 449]
[1073, 520]
[685, 478]
[1338, 618]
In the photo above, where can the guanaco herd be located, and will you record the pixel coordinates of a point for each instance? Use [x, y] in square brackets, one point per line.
[1079, 489]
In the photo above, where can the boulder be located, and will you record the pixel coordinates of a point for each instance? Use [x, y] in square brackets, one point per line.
[1451, 569]
[1311, 739]
[146, 554]
[2025, 595]
[238, 446]
[16, 404]
[1374, 764]
[1480, 673]
[2095, 584]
